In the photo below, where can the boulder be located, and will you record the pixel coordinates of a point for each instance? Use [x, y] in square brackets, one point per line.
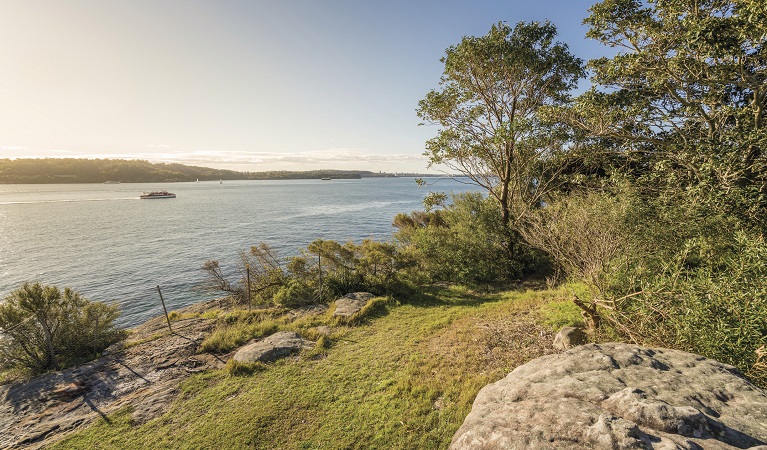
[569, 337]
[618, 396]
[276, 346]
[351, 304]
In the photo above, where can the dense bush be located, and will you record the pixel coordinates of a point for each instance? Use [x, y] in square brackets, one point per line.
[711, 303]
[660, 272]
[44, 328]
[585, 235]
[464, 243]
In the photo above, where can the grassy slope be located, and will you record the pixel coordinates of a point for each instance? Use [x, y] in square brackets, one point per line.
[404, 378]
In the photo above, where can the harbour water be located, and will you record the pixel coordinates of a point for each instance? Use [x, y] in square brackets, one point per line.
[109, 245]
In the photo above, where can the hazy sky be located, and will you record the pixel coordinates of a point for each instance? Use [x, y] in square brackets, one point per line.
[246, 85]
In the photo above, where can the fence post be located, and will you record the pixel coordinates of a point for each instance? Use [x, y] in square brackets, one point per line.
[247, 270]
[164, 308]
[319, 266]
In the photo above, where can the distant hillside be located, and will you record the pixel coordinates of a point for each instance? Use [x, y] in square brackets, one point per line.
[71, 170]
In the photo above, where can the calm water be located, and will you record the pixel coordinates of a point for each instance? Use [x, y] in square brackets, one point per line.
[109, 245]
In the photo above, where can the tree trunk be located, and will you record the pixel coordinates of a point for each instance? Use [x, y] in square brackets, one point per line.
[51, 354]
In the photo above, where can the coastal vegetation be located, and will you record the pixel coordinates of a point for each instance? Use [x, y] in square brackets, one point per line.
[46, 329]
[653, 199]
[641, 204]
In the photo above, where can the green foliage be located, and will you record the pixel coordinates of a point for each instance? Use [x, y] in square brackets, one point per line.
[586, 235]
[46, 329]
[323, 272]
[463, 243]
[685, 98]
[714, 306]
[659, 272]
[294, 293]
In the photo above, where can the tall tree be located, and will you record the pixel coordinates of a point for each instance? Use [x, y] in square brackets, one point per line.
[487, 106]
[686, 92]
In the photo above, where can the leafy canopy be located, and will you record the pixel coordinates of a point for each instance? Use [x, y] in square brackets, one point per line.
[487, 107]
[686, 94]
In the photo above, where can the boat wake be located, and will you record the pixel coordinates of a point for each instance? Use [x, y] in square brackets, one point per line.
[68, 200]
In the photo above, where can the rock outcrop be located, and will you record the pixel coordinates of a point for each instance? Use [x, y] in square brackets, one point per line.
[618, 396]
[351, 304]
[278, 345]
[144, 375]
[569, 337]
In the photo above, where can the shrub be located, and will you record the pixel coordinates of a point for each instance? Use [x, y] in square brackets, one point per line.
[44, 328]
[294, 293]
[585, 235]
[714, 306]
[463, 243]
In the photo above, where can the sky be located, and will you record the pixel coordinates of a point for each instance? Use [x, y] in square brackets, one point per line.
[243, 85]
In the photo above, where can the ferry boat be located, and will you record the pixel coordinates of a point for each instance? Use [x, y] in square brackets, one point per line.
[157, 194]
[325, 178]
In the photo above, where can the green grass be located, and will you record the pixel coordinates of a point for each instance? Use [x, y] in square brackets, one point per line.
[563, 313]
[404, 377]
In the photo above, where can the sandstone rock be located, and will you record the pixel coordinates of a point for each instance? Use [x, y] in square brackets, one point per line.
[351, 304]
[618, 396]
[276, 346]
[69, 390]
[569, 337]
[307, 310]
[143, 376]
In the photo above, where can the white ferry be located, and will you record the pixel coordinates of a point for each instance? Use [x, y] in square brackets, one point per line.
[157, 194]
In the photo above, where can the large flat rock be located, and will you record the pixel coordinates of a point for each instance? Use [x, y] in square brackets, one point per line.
[278, 345]
[618, 396]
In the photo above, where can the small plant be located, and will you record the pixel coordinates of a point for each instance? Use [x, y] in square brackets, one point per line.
[758, 371]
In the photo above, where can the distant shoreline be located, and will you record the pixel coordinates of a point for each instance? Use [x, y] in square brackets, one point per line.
[114, 171]
[414, 175]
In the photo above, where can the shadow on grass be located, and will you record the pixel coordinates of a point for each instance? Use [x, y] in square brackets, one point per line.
[449, 295]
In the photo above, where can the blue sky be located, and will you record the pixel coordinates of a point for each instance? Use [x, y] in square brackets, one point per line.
[244, 85]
